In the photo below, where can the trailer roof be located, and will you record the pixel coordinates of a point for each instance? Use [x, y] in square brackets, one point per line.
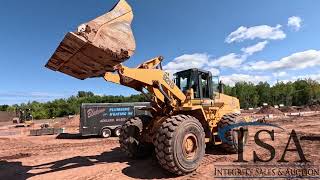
[116, 104]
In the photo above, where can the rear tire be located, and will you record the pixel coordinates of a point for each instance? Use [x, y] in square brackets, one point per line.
[106, 133]
[117, 131]
[180, 144]
[130, 138]
[231, 135]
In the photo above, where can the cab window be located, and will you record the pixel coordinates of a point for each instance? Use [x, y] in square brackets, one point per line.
[204, 85]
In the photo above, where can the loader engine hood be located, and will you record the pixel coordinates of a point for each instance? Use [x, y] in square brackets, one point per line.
[97, 46]
[228, 103]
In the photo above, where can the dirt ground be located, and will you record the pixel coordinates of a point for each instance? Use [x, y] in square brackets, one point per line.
[46, 157]
[5, 116]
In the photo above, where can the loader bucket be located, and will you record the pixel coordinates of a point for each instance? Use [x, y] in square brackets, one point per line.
[97, 46]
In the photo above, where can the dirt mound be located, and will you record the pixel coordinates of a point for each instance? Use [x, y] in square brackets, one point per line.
[6, 116]
[249, 111]
[67, 122]
[288, 109]
[315, 107]
[269, 110]
[73, 122]
[305, 108]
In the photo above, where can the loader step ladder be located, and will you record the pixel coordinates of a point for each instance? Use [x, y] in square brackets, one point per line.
[216, 138]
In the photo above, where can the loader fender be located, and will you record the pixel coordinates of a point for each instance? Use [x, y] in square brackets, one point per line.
[199, 114]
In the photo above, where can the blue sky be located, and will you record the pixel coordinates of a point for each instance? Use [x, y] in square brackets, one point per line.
[239, 40]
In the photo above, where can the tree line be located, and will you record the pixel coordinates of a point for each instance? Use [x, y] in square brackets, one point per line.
[297, 93]
[69, 106]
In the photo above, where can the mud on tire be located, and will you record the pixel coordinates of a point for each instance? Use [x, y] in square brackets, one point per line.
[180, 144]
[130, 138]
[232, 135]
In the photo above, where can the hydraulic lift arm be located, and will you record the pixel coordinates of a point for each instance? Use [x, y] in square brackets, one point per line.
[150, 76]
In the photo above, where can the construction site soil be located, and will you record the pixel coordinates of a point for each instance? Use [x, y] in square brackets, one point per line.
[48, 157]
[315, 107]
[288, 109]
[6, 116]
[304, 108]
[269, 110]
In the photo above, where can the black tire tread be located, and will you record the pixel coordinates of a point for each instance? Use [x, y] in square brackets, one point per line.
[137, 121]
[227, 120]
[163, 141]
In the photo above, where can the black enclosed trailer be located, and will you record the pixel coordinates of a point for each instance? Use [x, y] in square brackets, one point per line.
[107, 118]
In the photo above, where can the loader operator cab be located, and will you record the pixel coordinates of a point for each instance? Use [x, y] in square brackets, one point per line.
[202, 82]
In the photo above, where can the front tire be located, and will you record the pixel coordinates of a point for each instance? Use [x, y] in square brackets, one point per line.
[130, 138]
[180, 144]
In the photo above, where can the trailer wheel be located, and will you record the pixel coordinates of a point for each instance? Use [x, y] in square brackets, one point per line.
[130, 138]
[117, 131]
[105, 133]
[231, 135]
[180, 144]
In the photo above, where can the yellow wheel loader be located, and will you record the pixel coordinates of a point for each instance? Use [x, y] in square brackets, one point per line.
[186, 112]
[23, 118]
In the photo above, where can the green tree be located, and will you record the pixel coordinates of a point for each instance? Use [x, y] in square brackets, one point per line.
[4, 107]
[247, 94]
[85, 94]
[300, 92]
[264, 92]
[303, 93]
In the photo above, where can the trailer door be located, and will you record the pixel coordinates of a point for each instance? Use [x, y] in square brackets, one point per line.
[93, 115]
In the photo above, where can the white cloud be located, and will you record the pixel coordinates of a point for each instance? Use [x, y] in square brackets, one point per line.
[311, 76]
[255, 48]
[279, 74]
[315, 77]
[203, 61]
[299, 60]
[234, 78]
[214, 71]
[231, 60]
[295, 22]
[261, 32]
[187, 61]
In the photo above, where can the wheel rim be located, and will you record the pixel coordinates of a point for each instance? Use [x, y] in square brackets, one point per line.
[105, 133]
[190, 146]
[117, 132]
